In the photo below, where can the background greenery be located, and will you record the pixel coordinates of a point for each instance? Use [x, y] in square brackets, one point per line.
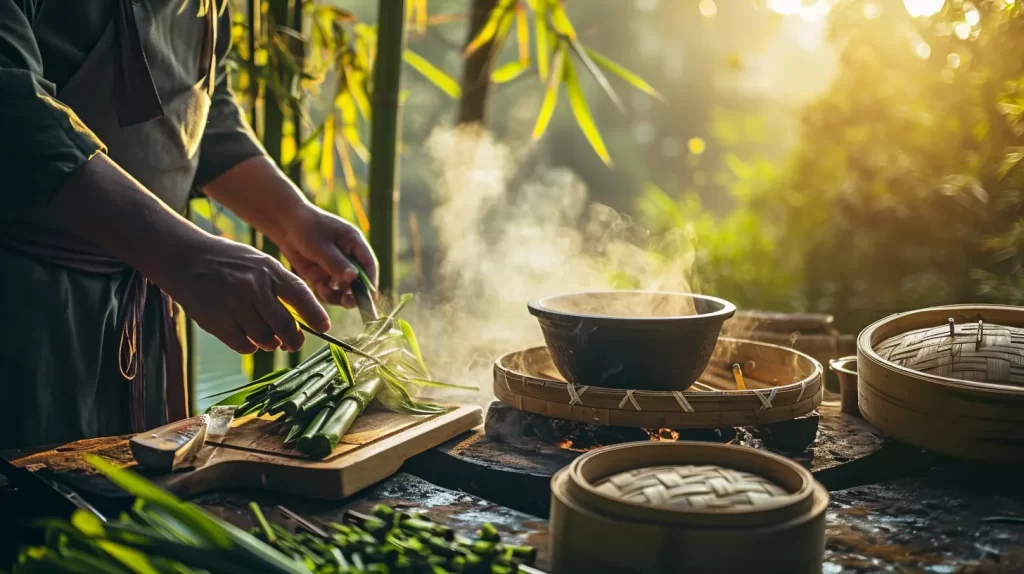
[837, 156]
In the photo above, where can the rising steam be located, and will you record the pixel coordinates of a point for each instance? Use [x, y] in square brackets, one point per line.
[504, 245]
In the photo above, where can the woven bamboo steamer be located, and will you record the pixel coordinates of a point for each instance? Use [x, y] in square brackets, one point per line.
[951, 396]
[686, 507]
[782, 384]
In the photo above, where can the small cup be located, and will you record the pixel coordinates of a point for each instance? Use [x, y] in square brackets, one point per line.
[846, 369]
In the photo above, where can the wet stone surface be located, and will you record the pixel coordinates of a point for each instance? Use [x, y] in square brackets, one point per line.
[463, 512]
[956, 519]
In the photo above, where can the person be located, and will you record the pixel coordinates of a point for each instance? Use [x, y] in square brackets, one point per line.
[112, 114]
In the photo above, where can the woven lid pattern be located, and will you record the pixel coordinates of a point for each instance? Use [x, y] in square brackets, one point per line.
[976, 351]
[690, 487]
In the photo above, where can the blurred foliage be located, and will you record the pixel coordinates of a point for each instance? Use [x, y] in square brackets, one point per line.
[905, 189]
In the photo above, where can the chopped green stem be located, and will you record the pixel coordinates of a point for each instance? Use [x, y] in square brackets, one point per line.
[261, 520]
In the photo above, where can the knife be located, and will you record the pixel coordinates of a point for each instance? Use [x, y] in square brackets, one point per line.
[182, 444]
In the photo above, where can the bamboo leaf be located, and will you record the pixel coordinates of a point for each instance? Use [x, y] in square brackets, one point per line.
[355, 82]
[541, 32]
[349, 130]
[414, 345]
[347, 171]
[488, 32]
[522, 35]
[344, 365]
[509, 71]
[139, 487]
[596, 72]
[239, 397]
[431, 72]
[547, 109]
[560, 21]
[580, 109]
[327, 152]
[633, 79]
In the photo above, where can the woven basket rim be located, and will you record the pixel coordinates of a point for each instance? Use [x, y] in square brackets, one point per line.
[866, 348]
[501, 365]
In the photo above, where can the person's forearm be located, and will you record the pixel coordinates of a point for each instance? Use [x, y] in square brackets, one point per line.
[103, 204]
[258, 192]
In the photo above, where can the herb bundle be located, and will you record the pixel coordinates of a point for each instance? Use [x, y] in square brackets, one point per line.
[388, 540]
[162, 534]
[321, 398]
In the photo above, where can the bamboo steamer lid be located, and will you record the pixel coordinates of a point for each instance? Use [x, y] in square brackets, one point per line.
[954, 387]
[686, 507]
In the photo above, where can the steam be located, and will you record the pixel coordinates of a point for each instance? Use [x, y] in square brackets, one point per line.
[505, 244]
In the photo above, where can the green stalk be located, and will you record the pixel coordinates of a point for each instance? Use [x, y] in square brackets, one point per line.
[313, 427]
[384, 136]
[314, 376]
[355, 401]
[310, 391]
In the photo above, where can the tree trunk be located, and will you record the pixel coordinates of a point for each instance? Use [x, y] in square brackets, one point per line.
[385, 133]
[476, 71]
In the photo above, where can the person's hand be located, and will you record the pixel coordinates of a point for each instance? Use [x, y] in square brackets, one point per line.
[231, 291]
[320, 248]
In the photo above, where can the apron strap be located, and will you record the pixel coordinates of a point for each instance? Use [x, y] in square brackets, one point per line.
[131, 355]
[137, 100]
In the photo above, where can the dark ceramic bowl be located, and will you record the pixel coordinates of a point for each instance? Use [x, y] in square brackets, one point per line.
[631, 339]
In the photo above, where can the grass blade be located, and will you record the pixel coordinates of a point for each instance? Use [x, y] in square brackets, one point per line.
[414, 345]
[560, 21]
[254, 385]
[522, 34]
[547, 109]
[633, 79]
[344, 365]
[596, 72]
[446, 83]
[489, 31]
[509, 71]
[541, 31]
[578, 102]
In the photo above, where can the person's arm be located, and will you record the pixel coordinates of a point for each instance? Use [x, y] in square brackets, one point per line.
[235, 171]
[42, 142]
[231, 290]
[50, 162]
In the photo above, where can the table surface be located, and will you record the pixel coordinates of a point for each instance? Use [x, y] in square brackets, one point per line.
[909, 512]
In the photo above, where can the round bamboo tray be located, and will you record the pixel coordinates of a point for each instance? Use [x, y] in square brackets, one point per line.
[960, 395]
[690, 507]
[782, 384]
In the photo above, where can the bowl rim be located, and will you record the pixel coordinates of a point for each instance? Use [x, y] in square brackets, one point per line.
[539, 308]
[841, 364]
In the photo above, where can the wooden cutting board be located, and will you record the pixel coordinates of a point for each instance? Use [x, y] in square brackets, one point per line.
[251, 455]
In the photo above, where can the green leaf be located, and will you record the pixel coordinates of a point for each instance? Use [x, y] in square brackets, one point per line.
[344, 365]
[578, 102]
[547, 109]
[488, 32]
[633, 79]
[597, 74]
[239, 397]
[414, 345]
[439, 384]
[1010, 162]
[560, 20]
[509, 71]
[541, 32]
[431, 72]
[139, 487]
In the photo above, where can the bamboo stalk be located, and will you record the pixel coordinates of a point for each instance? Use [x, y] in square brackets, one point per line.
[384, 137]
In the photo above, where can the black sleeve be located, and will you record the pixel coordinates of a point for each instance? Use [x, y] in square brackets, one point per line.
[228, 139]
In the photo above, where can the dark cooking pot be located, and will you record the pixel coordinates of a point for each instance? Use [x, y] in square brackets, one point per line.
[631, 339]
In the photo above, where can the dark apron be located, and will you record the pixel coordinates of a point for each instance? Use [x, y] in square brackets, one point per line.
[89, 347]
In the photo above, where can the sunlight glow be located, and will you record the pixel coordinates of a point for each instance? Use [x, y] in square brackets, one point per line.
[920, 8]
[808, 10]
[708, 9]
[971, 14]
[923, 50]
[962, 30]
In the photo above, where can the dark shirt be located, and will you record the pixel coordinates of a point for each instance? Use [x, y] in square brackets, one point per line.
[42, 45]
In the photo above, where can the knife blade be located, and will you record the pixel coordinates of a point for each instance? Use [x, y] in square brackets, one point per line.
[177, 445]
